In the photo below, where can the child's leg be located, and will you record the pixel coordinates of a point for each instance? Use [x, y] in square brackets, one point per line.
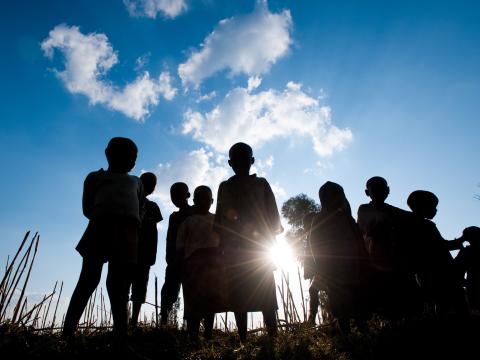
[208, 324]
[118, 281]
[314, 303]
[241, 320]
[170, 291]
[193, 327]
[139, 291]
[87, 282]
[270, 319]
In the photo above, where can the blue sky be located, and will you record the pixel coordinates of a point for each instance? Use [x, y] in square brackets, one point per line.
[323, 90]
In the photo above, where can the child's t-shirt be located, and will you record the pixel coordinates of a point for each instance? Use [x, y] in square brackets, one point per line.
[108, 194]
[196, 233]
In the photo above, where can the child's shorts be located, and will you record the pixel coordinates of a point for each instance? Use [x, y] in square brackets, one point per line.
[140, 283]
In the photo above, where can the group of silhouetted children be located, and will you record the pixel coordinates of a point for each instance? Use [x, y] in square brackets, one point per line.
[390, 261]
[219, 259]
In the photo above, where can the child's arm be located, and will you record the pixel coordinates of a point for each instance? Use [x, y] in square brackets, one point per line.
[181, 240]
[272, 210]
[88, 198]
[217, 222]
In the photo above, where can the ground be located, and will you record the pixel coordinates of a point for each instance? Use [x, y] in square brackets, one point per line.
[420, 338]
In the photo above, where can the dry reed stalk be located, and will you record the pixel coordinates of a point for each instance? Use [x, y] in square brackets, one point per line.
[304, 307]
[156, 302]
[285, 312]
[56, 306]
[9, 267]
[10, 289]
[48, 307]
[20, 299]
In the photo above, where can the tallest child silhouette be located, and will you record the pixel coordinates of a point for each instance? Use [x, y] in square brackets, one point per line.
[247, 221]
[112, 201]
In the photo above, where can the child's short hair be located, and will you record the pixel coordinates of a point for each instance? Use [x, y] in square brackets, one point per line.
[421, 199]
[240, 148]
[119, 147]
[178, 188]
[376, 181]
[201, 190]
[149, 181]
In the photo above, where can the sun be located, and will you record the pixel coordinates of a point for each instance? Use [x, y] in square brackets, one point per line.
[282, 254]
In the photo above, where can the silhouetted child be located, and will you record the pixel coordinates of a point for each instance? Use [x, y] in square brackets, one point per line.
[435, 267]
[202, 276]
[179, 194]
[247, 220]
[340, 256]
[468, 262]
[112, 201]
[147, 247]
[385, 228]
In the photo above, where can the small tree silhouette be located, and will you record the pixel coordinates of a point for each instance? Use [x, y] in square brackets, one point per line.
[294, 210]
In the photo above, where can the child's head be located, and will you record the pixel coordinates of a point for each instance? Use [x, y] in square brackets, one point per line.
[377, 189]
[121, 154]
[423, 203]
[149, 181]
[332, 197]
[179, 194]
[202, 198]
[241, 158]
[472, 235]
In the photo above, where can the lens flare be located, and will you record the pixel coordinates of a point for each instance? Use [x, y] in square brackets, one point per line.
[282, 255]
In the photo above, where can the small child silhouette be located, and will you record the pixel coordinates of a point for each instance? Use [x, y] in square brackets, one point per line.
[468, 262]
[147, 247]
[393, 287]
[202, 270]
[112, 201]
[179, 195]
[247, 220]
[435, 267]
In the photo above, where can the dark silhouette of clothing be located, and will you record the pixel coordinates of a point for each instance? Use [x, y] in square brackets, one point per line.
[247, 220]
[387, 233]
[147, 254]
[435, 269]
[467, 262]
[339, 255]
[171, 286]
[112, 202]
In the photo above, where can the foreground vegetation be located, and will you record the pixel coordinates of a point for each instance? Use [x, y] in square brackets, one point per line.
[421, 338]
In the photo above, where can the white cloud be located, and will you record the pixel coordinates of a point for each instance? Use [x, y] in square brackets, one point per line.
[248, 44]
[206, 97]
[142, 61]
[150, 8]
[253, 83]
[88, 58]
[198, 167]
[257, 118]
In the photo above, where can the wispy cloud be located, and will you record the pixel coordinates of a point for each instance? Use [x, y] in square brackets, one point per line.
[88, 58]
[150, 8]
[258, 118]
[248, 44]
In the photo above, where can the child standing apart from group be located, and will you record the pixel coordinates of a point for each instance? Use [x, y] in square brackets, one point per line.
[112, 201]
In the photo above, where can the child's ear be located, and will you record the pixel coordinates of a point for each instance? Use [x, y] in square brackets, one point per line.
[211, 201]
[188, 195]
[230, 163]
[388, 190]
[253, 160]
[367, 192]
